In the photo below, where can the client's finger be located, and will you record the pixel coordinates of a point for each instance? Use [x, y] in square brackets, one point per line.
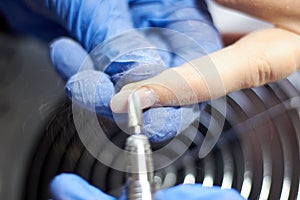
[260, 57]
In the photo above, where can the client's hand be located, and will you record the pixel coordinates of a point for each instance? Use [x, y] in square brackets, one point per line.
[258, 58]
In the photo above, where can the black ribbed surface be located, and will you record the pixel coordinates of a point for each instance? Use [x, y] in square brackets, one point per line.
[257, 153]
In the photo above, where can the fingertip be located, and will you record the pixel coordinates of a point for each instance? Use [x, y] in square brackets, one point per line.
[148, 98]
[163, 123]
[118, 103]
[92, 90]
[68, 56]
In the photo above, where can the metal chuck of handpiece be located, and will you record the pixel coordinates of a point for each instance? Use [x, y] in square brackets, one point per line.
[140, 179]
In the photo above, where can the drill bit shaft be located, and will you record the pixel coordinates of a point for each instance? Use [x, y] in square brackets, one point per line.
[134, 113]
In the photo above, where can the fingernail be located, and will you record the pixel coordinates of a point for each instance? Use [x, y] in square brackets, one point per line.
[147, 96]
[118, 103]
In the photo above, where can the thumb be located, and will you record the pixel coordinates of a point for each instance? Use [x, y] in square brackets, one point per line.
[261, 57]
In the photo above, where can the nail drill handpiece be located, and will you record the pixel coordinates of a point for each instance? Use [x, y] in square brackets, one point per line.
[140, 184]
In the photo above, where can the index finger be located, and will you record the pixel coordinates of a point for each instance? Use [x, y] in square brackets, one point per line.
[261, 57]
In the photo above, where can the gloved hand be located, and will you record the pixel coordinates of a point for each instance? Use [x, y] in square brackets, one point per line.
[70, 186]
[96, 21]
[92, 22]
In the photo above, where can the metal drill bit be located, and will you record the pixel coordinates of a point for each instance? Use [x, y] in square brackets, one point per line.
[134, 113]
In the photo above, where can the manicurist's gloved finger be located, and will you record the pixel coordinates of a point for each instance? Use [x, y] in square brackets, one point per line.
[261, 57]
[197, 192]
[89, 88]
[68, 56]
[72, 187]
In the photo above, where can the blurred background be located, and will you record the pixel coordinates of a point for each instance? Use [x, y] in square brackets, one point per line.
[258, 152]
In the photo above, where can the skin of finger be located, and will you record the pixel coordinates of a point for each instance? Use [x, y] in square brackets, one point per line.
[260, 57]
[265, 56]
[285, 14]
[172, 87]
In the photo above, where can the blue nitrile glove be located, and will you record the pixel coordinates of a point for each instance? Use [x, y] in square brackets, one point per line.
[197, 192]
[72, 187]
[190, 17]
[91, 22]
[94, 22]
